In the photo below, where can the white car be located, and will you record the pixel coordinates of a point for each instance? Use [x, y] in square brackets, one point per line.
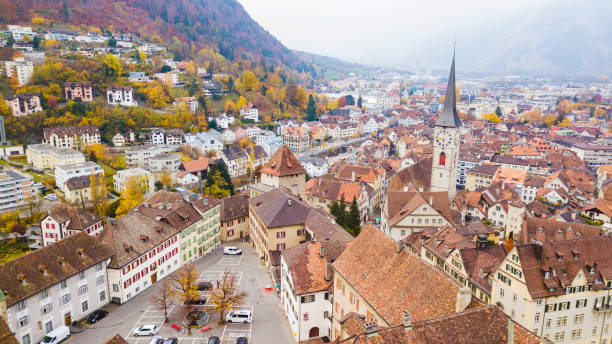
[51, 197]
[145, 330]
[232, 250]
[239, 316]
[157, 340]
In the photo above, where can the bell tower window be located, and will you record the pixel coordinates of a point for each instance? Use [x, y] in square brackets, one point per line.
[442, 161]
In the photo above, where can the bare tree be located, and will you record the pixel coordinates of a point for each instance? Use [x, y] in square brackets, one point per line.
[162, 300]
[226, 295]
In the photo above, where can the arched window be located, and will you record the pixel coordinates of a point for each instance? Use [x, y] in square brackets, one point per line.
[442, 159]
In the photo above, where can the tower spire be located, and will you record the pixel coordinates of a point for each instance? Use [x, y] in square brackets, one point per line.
[449, 117]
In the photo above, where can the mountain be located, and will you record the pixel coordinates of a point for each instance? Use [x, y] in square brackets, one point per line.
[185, 26]
[331, 67]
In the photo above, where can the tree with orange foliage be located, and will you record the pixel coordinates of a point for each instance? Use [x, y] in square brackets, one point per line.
[550, 120]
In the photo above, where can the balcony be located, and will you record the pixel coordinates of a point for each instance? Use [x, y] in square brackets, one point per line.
[599, 307]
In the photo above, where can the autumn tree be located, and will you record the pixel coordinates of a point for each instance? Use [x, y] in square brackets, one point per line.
[184, 286]
[248, 81]
[112, 66]
[226, 294]
[550, 120]
[533, 116]
[218, 182]
[229, 107]
[134, 193]
[99, 194]
[492, 117]
[165, 179]
[162, 300]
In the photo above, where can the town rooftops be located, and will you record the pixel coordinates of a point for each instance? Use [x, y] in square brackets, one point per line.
[279, 208]
[307, 263]
[71, 131]
[588, 146]
[331, 188]
[283, 163]
[483, 325]
[234, 207]
[27, 275]
[79, 218]
[391, 280]
[412, 177]
[22, 96]
[485, 170]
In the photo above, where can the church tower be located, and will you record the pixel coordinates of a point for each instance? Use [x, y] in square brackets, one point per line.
[446, 142]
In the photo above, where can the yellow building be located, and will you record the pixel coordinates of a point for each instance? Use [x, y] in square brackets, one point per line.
[480, 176]
[47, 156]
[234, 217]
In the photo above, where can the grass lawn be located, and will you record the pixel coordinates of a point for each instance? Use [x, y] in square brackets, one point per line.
[21, 159]
[11, 249]
[108, 171]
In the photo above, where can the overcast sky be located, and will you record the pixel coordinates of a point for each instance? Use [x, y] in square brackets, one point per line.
[394, 32]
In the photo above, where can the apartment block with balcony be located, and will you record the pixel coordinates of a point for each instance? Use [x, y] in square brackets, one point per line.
[65, 172]
[81, 91]
[44, 155]
[24, 104]
[15, 189]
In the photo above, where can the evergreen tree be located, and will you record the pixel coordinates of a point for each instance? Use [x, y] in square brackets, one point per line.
[311, 109]
[498, 112]
[10, 41]
[334, 209]
[350, 100]
[360, 102]
[230, 85]
[341, 216]
[354, 218]
[65, 12]
[36, 42]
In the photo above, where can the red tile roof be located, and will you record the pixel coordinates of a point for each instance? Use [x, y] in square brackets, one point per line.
[283, 163]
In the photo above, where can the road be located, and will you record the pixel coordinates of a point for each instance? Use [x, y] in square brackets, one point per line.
[335, 144]
[269, 325]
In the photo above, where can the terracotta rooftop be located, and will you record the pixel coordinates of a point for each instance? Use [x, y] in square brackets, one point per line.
[482, 325]
[234, 207]
[333, 189]
[394, 282]
[307, 267]
[279, 208]
[412, 177]
[200, 164]
[29, 274]
[544, 230]
[80, 219]
[283, 163]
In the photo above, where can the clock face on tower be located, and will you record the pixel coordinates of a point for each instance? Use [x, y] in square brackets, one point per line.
[443, 141]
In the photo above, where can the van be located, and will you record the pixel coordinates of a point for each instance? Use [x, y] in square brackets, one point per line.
[56, 336]
[239, 316]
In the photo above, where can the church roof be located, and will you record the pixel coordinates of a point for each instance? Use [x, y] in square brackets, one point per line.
[449, 117]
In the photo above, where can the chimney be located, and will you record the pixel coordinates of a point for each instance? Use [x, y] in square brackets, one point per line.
[319, 180]
[400, 246]
[407, 320]
[573, 216]
[353, 176]
[327, 272]
[421, 188]
[169, 206]
[405, 188]
[464, 297]
[321, 251]
[431, 200]
[289, 202]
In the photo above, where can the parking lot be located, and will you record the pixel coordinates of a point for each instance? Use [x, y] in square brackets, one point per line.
[268, 322]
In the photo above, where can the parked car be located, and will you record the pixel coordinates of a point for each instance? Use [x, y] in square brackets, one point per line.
[171, 340]
[145, 330]
[56, 336]
[199, 301]
[232, 250]
[202, 286]
[96, 316]
[239, 316]
[214, 340]
[242, 340]
[51, 197]
[157, 340]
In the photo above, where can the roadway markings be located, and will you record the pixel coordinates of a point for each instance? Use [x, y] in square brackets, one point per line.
[150, 316]
[230, 260]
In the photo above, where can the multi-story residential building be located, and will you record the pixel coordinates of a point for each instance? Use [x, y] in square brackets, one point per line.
[406, 212]
[236, 161]
[529, 192]
[480, 176]
[54, 286]
[234, 217]
[174, 137]
[249, 111]
[371, 266]
[322, 192]
[466, 163]
[228, 136]
[373, 176]
[212, 88]
[283, 169]
[198, 228]
[144, 251]
[560, 290]
[509, 161]
[306, 281]
[66, 220]
[210, 140]
[78, 190]
[20, 69]
[138, 77]
[65, 172]
[156, 137]
[223, 120]
[24, 104]
[15, 189]
[315, 167]
[77, 137]
[119, 140]
[81, 91]
[296, 138]
[18, 31]
[138, 156]
[163, 162]
[43, 155]
[593, 155]
[122, 178]
[121, 95]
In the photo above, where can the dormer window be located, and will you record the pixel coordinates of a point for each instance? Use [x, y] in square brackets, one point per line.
[592, 270]
[576, 255]
[547, 274]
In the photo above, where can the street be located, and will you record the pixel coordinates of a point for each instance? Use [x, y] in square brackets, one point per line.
[268, 326]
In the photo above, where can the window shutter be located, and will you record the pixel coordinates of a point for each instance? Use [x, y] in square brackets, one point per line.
[546, 308]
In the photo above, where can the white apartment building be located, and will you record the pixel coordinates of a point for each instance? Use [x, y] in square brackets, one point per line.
[65, 172]
[66, 220]
[121, 95]
[145, 250]
[593, 155]
[315, 167]
[236, 161]
[18, 31]
[138, 156]
[305, 297]
[44, 155]
[165, 162]
[15, 189]
[559, 290]
[223, 120]
[120, 180]
[76, 137]
[249, 111]
[210, 140]
[54, 286]
[20, 69]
